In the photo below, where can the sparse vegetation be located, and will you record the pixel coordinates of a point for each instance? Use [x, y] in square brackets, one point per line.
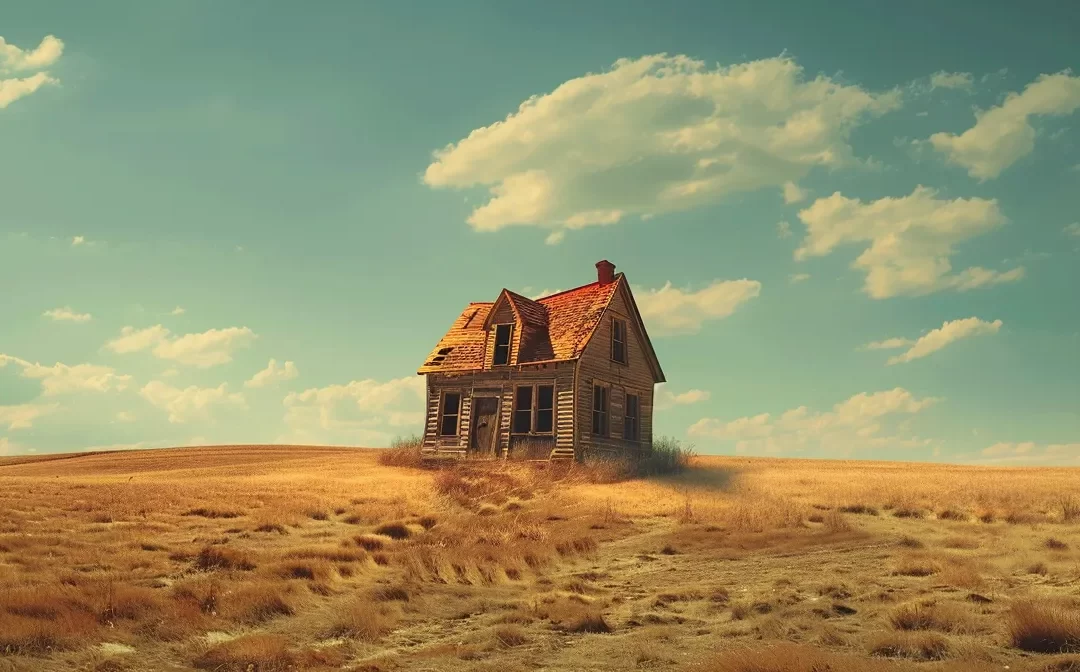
[337, 559]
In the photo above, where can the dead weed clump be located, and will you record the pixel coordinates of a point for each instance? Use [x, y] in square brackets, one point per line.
[916, 645]
[363, 620]
[947, 618]
[1040, 626]
[216, 557]
[790, 657]
[266, 653]
[403, 452]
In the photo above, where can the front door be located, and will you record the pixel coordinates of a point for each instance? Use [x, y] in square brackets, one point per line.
[485, 412]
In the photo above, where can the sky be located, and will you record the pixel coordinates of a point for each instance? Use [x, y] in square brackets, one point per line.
[852, 228]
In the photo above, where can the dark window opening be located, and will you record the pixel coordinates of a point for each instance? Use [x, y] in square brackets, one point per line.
[618, 340]
[600, 410]
[503, 333]
[523, 410]
[632, 419]
[451, 408]
[545, 409]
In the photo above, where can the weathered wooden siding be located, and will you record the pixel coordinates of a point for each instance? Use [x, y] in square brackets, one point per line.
[500, 382]
[634, 377]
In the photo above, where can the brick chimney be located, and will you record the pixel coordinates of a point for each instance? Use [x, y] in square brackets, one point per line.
[605, 272]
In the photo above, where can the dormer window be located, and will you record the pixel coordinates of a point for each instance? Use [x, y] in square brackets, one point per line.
[618, 340]
[503, 337]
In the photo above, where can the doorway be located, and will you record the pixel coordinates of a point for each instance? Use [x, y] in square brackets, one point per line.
[485, 425]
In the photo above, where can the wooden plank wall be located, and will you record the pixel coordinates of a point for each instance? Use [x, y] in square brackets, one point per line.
[499, 383]
[634, 377]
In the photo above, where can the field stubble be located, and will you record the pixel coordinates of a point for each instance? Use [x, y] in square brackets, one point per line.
[277, 558]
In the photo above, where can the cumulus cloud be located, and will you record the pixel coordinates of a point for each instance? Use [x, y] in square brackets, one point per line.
[273, 374]
[62, 379]
[793, 193]
[22, 416]
[189, 403]
[177, 311]
[857, 422]
[949, 332]
[14, 60]
[1002, 135]
[665, 398]
[361, 411]
[670, 310]
[952, 80]
[78, 240]
[657, 134]
[202, 350]
[66, 314]
[796, 278]
[909, 240]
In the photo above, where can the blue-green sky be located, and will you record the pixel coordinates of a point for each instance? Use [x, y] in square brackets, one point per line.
[853, 228]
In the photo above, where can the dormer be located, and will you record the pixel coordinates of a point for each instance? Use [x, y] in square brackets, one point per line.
[517, 331]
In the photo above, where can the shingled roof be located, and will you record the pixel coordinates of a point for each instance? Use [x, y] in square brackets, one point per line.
[554, 328]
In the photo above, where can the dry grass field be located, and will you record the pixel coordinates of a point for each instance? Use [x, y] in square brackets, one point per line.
[259, 558]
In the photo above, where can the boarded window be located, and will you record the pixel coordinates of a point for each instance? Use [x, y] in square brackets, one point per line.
[632, 419]
[545, 408]
[503, 336]
[600, 410]
[523, 399]
[618, 340]
[451, 409]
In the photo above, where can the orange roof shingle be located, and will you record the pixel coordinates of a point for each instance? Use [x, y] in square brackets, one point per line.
[555, 327]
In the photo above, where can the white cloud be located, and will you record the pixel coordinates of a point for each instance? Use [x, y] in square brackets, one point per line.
[1029, 452]
[62, 379]
[134, 340]
[14, 59]
[665, 398]
[534, 295]
[16, 88]
[793, 193]
[670, 310]
[184, 405]
[1002, 135]
[910, 240]
[273, 374]
[652, 135]
[949, 332]
[361, 411]
[78, 240]
[796, 278]
[783, 230]
[201, 350]
[855, 423]
[22, 416]
[888, 344]
[1072, 229]
[952, 80]
[177, 311]
[66, 314]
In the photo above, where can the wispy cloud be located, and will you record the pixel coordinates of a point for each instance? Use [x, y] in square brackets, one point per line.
[670, 310]
[948, 333]
[273, 374]
[66, 314]
[203, 350]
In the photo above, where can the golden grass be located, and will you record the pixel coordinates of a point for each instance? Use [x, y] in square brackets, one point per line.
[238, 558]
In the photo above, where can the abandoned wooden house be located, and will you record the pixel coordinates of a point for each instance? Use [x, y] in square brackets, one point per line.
[563, 376]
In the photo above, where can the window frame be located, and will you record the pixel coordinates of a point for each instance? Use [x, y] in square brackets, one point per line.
[509, 344]
[617, 324]
[632, 421]
[534, 409]
[601, 416]
[442, 414]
